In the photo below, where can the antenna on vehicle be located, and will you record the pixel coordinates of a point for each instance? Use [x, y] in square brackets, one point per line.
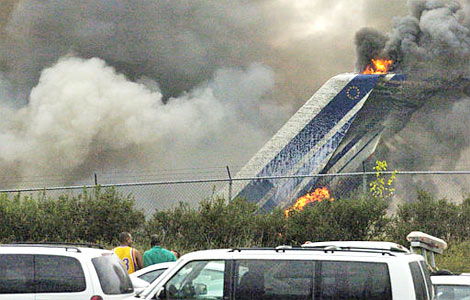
[426, 245]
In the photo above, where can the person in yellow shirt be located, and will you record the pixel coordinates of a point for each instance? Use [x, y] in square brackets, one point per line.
[131, 258]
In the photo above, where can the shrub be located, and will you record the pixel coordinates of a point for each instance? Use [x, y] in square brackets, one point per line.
[347, 219]
[456, 258]
[436, 217]
[463, 222]
[216, 223]
[173, 226]
[105, 214]
[95, 217]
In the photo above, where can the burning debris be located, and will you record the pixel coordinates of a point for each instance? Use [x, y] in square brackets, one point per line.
[378, 66]
[318, 195]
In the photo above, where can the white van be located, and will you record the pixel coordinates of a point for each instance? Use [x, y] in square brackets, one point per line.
[61, 272]
[320, 271]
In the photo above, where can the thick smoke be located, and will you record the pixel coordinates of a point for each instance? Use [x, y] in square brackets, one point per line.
[171, 42]
[434, 36]
[83, 83]
[115, 86]
[432, 47]
[83, 114]
[370, 44]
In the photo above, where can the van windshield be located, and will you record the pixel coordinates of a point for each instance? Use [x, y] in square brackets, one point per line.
[113, 277]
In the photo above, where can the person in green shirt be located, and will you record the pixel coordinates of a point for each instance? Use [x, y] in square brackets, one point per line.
[157, 254]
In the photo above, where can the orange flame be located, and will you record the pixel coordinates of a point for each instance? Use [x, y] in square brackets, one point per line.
[378, 66]
[318, 195]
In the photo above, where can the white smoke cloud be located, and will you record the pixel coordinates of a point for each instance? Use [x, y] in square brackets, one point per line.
[83, 110]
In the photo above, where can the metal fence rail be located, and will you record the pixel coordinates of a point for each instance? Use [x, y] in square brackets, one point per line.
[162, 195]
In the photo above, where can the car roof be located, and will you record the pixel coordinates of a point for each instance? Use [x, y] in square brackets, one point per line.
[164, 265]
[53, 248]
[450, 279]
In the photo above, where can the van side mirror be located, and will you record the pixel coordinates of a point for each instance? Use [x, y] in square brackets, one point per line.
[160, 294]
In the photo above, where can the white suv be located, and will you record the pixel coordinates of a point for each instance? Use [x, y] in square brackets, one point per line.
[61, 271]
[320, 271]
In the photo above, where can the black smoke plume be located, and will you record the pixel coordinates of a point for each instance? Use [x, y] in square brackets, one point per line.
[431, 45]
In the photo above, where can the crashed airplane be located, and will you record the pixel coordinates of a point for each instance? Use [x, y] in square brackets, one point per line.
[334, 131]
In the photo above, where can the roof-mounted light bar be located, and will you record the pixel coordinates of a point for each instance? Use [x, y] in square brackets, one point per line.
[426, 241]
[426, 245]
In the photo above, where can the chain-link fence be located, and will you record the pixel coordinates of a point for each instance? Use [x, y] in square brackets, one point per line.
[151, 196]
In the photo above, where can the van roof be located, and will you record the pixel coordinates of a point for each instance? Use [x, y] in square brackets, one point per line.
[289, 252]
[358, 245]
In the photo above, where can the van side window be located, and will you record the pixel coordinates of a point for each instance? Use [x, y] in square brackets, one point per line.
[320, 280]
[16, 274]
[418, 281]
[352, 280]
[198, 280]
[273, 279]
[57, 274]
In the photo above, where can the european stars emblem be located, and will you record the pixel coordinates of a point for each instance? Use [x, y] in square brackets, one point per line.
[353, 92]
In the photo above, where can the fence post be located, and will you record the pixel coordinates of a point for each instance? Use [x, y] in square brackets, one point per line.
[229, 185]
[364, 180]
[96, 179]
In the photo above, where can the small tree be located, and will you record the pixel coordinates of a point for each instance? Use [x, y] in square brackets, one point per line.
[379, 188]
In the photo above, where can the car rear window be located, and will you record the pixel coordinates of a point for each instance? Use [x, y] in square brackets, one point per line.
[16, 273]
[113, 277]
[58, 274]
